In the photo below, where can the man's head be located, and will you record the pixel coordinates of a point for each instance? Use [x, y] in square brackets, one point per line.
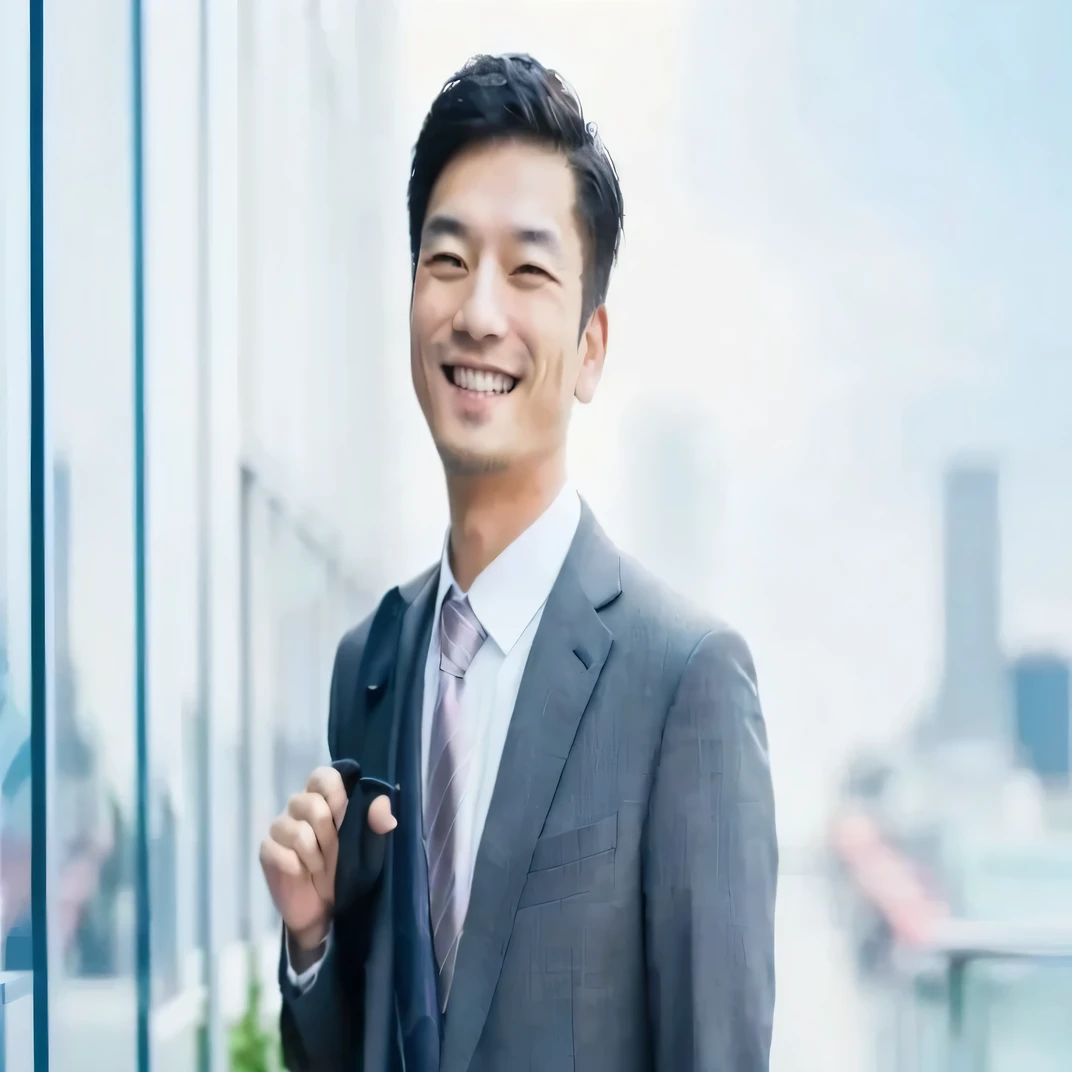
[515, 216]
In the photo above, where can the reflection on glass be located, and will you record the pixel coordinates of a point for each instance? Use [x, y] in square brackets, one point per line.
[175, 717]
[300, 602]
[16, 914]
[88, 280]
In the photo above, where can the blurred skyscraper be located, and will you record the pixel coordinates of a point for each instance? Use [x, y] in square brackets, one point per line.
[974, 698]
[1041, 687]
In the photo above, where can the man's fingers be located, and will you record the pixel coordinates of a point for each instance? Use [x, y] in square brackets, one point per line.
[314, 809]
[380, 819]
[276, 858]
[327, 782]
[298, 835]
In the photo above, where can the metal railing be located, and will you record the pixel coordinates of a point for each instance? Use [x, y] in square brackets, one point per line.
[939, 976]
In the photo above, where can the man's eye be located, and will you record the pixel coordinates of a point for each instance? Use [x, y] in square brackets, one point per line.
[446, 258]
[531, 269]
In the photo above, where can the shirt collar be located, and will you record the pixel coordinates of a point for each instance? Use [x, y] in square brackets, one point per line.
[506, 596]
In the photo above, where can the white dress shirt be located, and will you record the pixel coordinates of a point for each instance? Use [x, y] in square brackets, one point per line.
[508, 599]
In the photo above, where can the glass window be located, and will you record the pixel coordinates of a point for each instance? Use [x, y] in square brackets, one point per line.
[259, 523]
[88, 195]
[299, 604]
[1018, 1014]
[176, 707]
[290, 713]
[301, 292]
[16, 916]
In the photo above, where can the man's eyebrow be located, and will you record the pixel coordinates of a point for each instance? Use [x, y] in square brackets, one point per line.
[538, 236]
[439, 226]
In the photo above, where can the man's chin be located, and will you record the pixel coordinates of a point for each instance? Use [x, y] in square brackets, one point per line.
[459, 461]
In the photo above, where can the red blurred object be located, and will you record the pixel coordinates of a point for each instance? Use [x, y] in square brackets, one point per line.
[888, 879]
[78, 881]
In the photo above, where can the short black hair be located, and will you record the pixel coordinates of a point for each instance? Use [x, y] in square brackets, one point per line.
[507, 97]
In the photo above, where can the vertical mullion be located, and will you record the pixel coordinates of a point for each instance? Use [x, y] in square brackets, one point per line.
[142, 887]
[39, 483]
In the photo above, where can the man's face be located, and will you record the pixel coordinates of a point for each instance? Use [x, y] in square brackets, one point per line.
[494, 349]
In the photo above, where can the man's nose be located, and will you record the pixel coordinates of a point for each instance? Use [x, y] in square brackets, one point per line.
[482, 315]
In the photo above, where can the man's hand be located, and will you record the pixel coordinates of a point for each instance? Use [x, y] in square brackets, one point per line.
[301, 852]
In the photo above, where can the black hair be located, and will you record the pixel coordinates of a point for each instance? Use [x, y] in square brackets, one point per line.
[509, 97]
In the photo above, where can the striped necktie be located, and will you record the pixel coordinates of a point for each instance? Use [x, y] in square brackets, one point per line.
[450, 761]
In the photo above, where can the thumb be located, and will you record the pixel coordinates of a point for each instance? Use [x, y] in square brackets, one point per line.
[380, 819]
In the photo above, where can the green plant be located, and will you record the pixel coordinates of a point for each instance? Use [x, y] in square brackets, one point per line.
[254, 1047]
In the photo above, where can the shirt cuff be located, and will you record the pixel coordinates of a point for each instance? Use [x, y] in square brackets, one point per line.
[303, 983]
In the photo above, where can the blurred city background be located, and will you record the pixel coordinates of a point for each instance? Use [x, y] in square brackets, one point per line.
[837, 410]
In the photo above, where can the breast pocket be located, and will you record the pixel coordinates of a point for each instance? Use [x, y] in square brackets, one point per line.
[572, 863]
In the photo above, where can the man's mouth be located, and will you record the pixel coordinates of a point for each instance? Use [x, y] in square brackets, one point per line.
[479, 381]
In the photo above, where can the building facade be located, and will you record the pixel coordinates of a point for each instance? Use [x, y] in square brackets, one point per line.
[974, 699]
[181, 439]
[1041, 691]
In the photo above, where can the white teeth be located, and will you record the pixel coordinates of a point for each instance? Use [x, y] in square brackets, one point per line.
[482, 381]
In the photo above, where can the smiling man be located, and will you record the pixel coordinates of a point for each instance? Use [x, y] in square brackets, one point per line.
[577, 868]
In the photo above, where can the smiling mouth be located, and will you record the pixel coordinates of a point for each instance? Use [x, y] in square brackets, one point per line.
[479, 381]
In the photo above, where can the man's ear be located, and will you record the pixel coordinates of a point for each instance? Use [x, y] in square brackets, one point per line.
[593, 347]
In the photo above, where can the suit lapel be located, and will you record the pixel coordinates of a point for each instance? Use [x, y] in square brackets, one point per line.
[567, 656]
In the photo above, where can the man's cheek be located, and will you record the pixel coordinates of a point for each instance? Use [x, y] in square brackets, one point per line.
[546, 413]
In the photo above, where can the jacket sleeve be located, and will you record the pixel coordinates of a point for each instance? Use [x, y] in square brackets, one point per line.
[320, 1025]
[710, 862]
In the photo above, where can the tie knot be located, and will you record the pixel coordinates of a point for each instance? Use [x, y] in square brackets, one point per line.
[460, 636]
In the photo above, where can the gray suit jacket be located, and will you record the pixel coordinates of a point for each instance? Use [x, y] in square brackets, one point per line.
[622, 910]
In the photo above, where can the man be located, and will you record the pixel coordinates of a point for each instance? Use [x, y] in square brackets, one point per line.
[578, 867]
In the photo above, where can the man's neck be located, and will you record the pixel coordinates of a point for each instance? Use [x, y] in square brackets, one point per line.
[488, 512]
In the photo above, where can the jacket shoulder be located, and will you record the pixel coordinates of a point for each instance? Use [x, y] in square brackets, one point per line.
[350, 657]
[352, 645]
[653, 617]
